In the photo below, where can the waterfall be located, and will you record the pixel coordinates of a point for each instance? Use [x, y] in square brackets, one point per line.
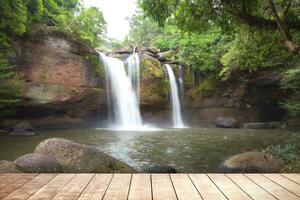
[124, 102]
[133, 69]
[176, 109]
[181, 86]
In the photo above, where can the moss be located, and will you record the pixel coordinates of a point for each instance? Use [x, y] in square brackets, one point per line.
[152, 67]
[94, 60]
[208, 85]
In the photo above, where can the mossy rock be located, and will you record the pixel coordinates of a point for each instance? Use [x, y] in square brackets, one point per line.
[251, 162]
[79, 158]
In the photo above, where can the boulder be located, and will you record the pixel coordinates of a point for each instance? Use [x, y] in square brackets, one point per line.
[38, 163]
[226, 122]
[9, 167]
[79, 158]
[262, 125]
[161, 169]
[250, 162]
[22, 129]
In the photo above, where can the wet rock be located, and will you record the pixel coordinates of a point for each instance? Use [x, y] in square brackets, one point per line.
[38, 163]
[9, 167]
[79, 158]
[262, 125]
[265, 78]
[124, 50]
[250, 162]
[22, 129]
[226, 122]
[161, 169]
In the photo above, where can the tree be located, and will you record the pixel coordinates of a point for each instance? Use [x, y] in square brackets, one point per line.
[200, 14]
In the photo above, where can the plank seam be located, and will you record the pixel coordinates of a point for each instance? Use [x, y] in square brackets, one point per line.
[41, 186]
[195, 186]
[85, 187]
[20, 185]
[238, 186]
[129, 186]
[151, 186]
[173, 186]
[260, 186]
[107, 187]
[281, 186]
[217, 186]
[290, 179]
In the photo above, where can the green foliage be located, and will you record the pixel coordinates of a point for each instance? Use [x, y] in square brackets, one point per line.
[9, 87]
[89, 26]
[142, 30]
[291, 83]
[285, 153]
[31, 19]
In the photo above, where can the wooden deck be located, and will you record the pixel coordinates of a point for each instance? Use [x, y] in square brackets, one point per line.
[150, 186]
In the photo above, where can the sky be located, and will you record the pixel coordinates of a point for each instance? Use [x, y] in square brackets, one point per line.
[115, 13]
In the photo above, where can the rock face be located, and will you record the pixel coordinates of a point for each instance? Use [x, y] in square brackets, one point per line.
[247, 97]
[38, 163]
[9, 167]
[74, 157]
[22, 129]
[250, 162]
[61, 80]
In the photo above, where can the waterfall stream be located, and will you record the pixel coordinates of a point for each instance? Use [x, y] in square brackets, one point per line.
[133, 69]
[176, 108]
[124, 101]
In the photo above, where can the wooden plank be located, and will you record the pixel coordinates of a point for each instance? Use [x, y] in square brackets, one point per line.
[9, 178]
[140, 187]
[97, 187]
[15, 184]
[30, 187]
[184, 187]
[207, 189]
[285, 183]
[49, 190]
[229, 188]
[293, 177]
[119, 187]
[74, 188]
[276, 190]
[250, 187]
[162, 187]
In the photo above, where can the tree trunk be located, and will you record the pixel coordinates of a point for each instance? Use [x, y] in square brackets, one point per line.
[283, 27]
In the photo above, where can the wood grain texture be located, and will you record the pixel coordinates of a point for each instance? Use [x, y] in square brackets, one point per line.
[97, 187]
[49, 190]
[293, 177]
[229, 188]
[251, 188]
[119, 187]
[74, 188]
[285, 183]
[15, 184]
[184, 187]
[207, 189]
[162, 187]
[273, 188]
[30, 187]
[140, 187]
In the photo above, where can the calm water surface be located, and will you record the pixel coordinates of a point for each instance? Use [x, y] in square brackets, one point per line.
[192, 150]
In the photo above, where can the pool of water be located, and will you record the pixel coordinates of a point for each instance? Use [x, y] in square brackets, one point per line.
[191, 150]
